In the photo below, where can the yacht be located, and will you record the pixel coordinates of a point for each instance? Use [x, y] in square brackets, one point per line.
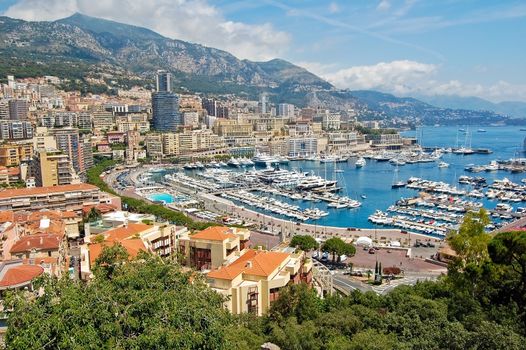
[328, 159]
[360, 162]
[398, 184]
[264, 159]
[464, 150]
[233, 162]
[443, 165]
[481, 130]
[493, 166]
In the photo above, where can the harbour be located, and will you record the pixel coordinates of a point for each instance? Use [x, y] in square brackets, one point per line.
[348, 191]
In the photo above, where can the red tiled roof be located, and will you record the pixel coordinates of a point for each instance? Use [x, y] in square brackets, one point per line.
[19, 275]
[253, 262]
[214, 233]
[125, 232]
[7, 216]
[27, 192]
[132, 246]
[45, 241]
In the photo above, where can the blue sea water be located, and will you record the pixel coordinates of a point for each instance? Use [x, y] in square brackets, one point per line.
[374, 179]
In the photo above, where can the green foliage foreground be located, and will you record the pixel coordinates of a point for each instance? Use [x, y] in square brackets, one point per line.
[141, 304]
[151, 303]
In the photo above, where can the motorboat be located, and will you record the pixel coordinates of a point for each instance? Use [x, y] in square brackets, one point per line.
[360, 162]
[443, 165]
[233, 162]
[398, 184]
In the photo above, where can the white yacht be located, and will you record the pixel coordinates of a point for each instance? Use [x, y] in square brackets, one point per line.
[443, 165]
[360, 162]
[233, 162]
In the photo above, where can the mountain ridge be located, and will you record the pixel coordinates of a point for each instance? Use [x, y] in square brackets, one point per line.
[81, 47]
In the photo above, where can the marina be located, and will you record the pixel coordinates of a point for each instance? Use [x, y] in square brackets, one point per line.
[349, 192]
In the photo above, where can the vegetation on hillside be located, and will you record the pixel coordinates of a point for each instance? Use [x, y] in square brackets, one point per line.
[151, 303]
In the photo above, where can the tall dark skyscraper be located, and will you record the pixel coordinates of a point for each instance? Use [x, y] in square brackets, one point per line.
[165, 105]
[164, 81]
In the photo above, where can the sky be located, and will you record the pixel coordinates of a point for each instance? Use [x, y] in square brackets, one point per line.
[405, 47]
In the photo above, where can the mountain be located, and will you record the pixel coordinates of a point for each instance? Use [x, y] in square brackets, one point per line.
[515, 109]
[83, 39]
[98, 55]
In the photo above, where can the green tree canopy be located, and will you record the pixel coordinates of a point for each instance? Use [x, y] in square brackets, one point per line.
[336, 246]
[304, 242]
[146, 304]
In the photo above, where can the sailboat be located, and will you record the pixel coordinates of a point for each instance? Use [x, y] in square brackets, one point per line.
[397, 183]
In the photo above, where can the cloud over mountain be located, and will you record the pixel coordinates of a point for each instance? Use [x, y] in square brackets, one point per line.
[190, 20]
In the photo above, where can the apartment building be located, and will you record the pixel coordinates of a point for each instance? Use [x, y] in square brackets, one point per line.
[52, 168]
[15, 130]
[61, 197]
[252, 281]
[303, 146]
[212, 247]
[12, 154]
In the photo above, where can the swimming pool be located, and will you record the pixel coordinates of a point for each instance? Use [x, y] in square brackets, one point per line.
[166, 198]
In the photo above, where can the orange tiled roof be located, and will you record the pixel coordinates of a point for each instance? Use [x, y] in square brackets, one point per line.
[132, 246]
[26, 192]
[44, 241]
[7, 216]
[253, 262]
[103, 208]
[125, 232]
[20, 274]
[214, 233]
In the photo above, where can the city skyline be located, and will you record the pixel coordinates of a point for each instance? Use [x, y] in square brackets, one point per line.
[409, 48]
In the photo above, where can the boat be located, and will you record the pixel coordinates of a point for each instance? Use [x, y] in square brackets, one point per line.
[493, 166]
[481, 130]
[363, 196]
[398, 184]
[522, 129]
[328, 159]
[360, 162]
[443, 165]
[339, 171]
[233, 162]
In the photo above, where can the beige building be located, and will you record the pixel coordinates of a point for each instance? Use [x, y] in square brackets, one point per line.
[253, 280]
[212, 247]
[62, 197]
[12, 154]
[232, 128]
[103, 120]
[43, 140]
[52, 168]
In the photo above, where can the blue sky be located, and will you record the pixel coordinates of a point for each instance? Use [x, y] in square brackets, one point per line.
[408, 47]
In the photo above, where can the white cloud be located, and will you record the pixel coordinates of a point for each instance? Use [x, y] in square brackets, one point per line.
[396, 76]
[384, 5]
[406, 78]
[190, 20]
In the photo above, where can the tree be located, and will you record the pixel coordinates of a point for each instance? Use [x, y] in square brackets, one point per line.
[297, 300]
[304, 242]
[147, 304]
[471, 241]
[336, 246]
[93, 215]
[508, 250]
